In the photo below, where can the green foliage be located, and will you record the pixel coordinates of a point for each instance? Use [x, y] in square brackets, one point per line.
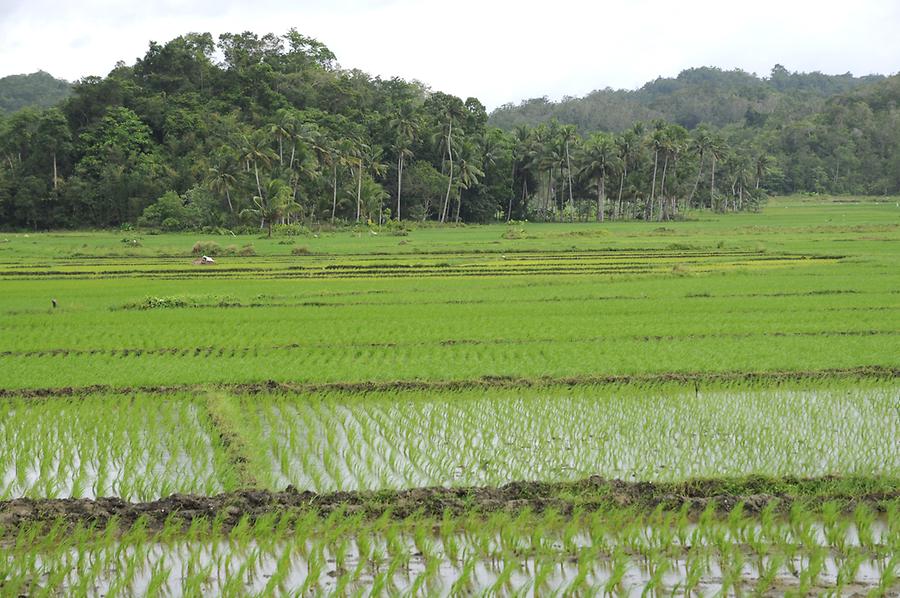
[169, 213]
[277, 134]
[37, 90]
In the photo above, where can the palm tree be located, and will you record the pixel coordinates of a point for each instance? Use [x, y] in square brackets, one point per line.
[521, 150]
[220, 181]
[599, 158]
[342, 155]
[469, 174]
[763, 167]
[453, 112]
[656, 141]
[699, 145]
[283, 128]
[356, 150]
[716, 149]
[626, 143]
[672, 145]
[365, 157]
[256, 151]
[405, 127]
[276, 203]
[372, 196]
[568, 134]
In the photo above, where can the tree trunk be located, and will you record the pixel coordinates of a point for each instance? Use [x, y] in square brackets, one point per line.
[293, 148]
[673, 199]
[621, 187]
[653, 185]
[458, 203]
[228, 199]
[696, 182]
[662, 188]
[359, 193]
[450, 179]
[549, 189]
[334, 189]
[512, 192]
[55, 177]
[712, 183]
[280, 151]
[399, 182]
[569, 174]
[258, 186]
[601, 198]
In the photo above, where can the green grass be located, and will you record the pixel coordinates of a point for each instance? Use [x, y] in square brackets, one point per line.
[461, 356]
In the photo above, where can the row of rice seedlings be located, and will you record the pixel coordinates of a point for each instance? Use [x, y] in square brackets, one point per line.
[385, 362]
[138, 448]
[602, 553]
[411, 439]
[665, 311]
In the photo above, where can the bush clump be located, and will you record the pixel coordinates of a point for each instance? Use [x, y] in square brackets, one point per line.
[206, 248]
[244, 251]
[300, 250]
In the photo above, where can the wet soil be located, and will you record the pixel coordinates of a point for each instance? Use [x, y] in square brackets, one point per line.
[590, 494]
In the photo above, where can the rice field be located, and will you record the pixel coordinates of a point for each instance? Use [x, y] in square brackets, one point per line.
[707, 370]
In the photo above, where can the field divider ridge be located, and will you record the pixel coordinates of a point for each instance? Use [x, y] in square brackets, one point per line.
[222, 420]
[889, 373]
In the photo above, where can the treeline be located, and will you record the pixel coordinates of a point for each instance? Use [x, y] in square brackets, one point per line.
[824, 133]
[277, 132]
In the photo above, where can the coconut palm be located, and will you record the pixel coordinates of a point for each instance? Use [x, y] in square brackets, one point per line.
[255, 150]
[700, 144]
[276, 203]
[600, 157]
[469, 173]
[221, 181]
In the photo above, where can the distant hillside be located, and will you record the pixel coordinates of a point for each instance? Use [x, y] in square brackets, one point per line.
[699, 95]
[38, 89]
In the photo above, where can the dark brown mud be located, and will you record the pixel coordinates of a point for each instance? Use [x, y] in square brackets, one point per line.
[583, 496]
[484, 382]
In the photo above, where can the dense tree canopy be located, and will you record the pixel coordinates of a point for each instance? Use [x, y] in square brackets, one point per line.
[254, 131]
[40, 90]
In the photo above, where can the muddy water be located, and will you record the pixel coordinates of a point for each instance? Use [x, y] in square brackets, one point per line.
[565, 434]
[480, 567]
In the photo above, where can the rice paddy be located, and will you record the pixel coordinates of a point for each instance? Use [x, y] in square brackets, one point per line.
[367, 371]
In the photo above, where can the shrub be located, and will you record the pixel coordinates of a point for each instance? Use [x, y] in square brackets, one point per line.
[206, 248]
[290, 230]
[170, 212]
[300, 250]
[247, 251]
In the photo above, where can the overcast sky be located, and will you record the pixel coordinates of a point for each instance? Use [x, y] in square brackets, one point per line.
[496, 50]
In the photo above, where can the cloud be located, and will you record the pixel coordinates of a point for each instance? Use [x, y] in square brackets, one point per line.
[501, 50]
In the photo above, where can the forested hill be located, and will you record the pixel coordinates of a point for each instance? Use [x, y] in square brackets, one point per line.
[700, 95]
[246, 131]
[38, 89]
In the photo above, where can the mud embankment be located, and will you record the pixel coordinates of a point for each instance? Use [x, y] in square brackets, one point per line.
[587, 495]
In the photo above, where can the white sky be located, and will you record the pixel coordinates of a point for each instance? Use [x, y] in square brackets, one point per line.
[496, 50]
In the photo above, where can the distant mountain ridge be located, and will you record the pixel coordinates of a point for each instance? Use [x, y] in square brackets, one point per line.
[39, 90]
[699, 95]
